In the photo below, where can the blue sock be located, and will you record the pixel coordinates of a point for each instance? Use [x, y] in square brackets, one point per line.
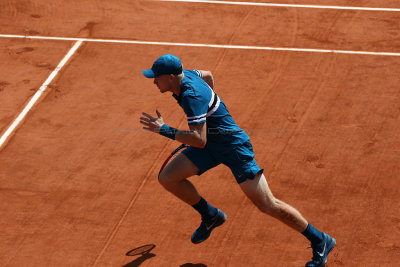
[313, 234]
[205, 209]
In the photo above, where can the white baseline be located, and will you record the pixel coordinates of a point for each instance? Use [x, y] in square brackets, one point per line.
[37, 95]
[245, 47]
[286, 5]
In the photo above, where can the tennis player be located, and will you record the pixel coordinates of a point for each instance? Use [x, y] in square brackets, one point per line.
[215, 138]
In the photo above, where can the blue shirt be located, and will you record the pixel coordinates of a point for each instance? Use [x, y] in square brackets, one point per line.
[201, 104]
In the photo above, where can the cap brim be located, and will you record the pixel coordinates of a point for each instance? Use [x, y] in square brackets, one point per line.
[149, 73]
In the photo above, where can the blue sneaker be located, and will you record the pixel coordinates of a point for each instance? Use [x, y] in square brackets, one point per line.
[206, 227]
[321, 251]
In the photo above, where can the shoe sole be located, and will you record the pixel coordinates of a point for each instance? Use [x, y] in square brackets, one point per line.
[218, 223]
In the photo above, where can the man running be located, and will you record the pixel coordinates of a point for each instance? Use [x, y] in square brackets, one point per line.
[215, 138]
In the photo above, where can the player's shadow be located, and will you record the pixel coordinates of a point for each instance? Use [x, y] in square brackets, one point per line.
[139, 260]
[193, 265]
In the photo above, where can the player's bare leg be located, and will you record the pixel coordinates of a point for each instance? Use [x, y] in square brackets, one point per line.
[174, 179]
[257, 190]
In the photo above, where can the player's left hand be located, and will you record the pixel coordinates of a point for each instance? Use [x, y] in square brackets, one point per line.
[152, 123]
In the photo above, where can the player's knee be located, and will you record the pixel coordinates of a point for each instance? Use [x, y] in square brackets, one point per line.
[164, 179]
[167, 179]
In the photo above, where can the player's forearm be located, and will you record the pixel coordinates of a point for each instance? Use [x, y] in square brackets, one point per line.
[208, 78]
[192, 138]
[196, 136]
[210, 81]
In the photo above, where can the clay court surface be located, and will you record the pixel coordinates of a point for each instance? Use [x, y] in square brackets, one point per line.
[78, 176]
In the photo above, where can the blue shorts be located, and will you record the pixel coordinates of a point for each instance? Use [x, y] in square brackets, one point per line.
[239, 158]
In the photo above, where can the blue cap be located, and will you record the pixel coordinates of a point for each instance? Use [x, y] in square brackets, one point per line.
[167, 64]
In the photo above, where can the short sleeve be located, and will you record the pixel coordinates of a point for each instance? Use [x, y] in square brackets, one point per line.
[195, 108]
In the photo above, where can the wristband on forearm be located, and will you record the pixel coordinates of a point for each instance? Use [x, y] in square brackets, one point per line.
[167, 131]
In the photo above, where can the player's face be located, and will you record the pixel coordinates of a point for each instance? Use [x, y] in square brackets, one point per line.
[164, 83]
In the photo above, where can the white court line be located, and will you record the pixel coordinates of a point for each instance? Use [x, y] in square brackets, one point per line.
[37, 95]
[246, 47]
[286, 5]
